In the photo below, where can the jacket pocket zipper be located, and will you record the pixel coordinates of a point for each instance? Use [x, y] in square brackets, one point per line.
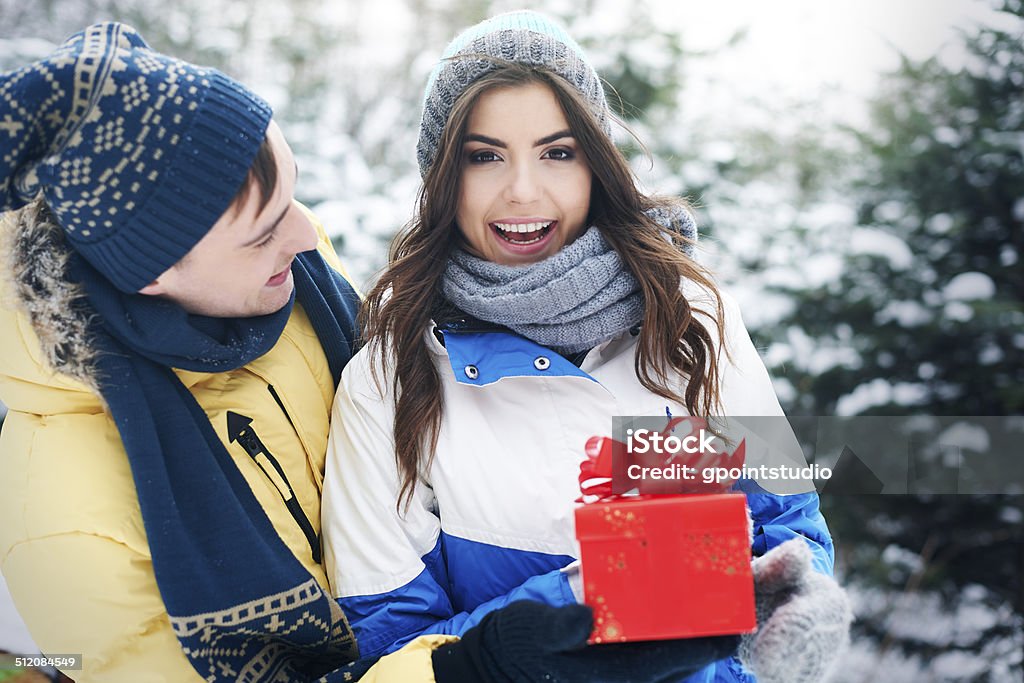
[266, 461]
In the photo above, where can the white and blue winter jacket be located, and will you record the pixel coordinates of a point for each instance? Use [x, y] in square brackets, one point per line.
[491, 519]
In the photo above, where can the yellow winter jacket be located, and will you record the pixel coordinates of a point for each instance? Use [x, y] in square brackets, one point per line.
[72, 545]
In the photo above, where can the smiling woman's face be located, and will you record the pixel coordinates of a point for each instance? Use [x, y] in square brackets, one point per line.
[525, 182]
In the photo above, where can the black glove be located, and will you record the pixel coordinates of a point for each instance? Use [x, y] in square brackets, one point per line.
[529, 641]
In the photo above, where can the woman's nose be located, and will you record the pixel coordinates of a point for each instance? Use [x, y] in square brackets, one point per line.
[524, 185]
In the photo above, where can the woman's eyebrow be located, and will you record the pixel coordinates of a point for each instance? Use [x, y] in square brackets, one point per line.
[547, 139]
[476, 137]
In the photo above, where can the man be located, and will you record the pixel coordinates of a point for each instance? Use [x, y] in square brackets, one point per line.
[165, 523]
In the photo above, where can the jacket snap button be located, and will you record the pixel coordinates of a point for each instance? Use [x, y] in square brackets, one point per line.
[542, 363]
[472, 372]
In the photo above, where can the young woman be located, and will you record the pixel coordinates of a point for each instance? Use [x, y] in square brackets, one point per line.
[536, 294]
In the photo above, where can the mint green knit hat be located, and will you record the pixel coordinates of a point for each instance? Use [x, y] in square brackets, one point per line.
[523, 37]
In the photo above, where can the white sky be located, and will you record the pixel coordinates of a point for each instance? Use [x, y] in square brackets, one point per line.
[804, 43]
[793, 48]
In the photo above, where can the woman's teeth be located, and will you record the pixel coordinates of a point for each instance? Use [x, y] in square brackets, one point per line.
[522, 227]
[523, 233]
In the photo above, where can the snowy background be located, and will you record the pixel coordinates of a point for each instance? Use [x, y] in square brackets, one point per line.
[814, 139]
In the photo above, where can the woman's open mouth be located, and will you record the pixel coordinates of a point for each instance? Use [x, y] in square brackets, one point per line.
[523, 234]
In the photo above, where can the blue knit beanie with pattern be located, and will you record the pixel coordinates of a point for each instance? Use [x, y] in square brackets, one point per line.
[522, 37]
[136, 154]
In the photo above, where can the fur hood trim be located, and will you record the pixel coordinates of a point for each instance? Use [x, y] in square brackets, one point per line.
[37, 262]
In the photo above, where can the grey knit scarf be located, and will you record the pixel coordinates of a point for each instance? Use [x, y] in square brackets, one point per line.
[570, 302]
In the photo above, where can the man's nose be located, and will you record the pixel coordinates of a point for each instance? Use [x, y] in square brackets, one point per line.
[301, 235]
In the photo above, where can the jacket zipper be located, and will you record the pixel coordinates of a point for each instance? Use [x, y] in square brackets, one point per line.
[273, 470]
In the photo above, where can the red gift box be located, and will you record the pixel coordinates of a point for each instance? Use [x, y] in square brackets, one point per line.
[666, 566]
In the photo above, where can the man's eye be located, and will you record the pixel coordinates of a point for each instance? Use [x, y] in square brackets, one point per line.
[267, 241]
[483, 156]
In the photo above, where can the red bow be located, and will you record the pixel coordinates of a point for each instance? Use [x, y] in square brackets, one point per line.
[604, 454]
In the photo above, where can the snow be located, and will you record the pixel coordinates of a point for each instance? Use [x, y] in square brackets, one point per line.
[831, 214]
[863, 662]
[877, 242]
[16, 52]
[14, 635]
[957, 311]
[967, 435]
[821, 269]
[926, 619]
[962, 665]
[905, 313]
[784, 389]
[990, 354]
[947, 136]
[818, 355]
[940, 223]
[924, 616]
[879, 392]
[969, 287]
[1011, 515]
[760, 307]
[889, 211]
[897, 555]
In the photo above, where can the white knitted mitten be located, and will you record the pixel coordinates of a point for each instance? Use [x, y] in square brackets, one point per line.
[803, 618]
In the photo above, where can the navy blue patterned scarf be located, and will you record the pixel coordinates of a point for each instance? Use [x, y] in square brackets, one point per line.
[240, 603]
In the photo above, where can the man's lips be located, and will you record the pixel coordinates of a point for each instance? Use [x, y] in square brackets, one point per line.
[279, 279]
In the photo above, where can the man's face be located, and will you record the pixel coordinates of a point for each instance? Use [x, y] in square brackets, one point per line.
[242, 267]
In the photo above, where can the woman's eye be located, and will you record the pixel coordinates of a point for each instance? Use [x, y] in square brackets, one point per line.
[559, 154]
[482, 157]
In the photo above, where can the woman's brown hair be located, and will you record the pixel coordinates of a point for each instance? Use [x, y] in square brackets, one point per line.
[399, 310]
